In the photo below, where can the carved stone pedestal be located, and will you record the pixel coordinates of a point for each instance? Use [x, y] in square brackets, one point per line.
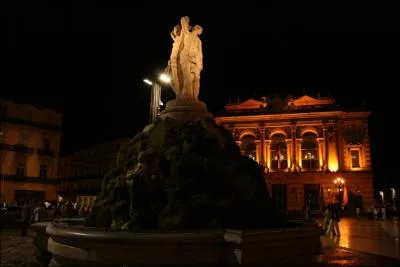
[180, 109]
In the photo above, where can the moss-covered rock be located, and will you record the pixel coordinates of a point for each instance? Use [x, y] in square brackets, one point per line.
[184, 175]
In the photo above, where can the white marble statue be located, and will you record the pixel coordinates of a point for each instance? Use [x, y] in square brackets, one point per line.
[186, 60]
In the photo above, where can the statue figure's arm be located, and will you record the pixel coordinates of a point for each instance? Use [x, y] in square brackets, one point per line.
[200, 55]
[173, 36]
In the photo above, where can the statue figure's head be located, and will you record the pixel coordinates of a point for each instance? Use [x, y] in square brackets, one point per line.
[177, 30]
[185, 20]
[197, 29]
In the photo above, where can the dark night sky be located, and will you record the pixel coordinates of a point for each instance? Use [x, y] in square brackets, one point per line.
[89, 62]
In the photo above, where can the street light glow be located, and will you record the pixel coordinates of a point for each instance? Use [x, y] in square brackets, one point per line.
[165, 78]
[382, 196]
[339, 181]
[148, 81]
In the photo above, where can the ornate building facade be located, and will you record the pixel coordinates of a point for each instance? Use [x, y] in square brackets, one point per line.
[29, 151]
[82, 172]
[305, 144]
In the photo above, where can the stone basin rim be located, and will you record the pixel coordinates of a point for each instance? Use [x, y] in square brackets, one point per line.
[61, 228]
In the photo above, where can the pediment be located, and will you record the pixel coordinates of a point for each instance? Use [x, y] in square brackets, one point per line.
[249, 104]
[311, 101]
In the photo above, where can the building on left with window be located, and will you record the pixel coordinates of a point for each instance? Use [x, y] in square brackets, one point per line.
[29, 152]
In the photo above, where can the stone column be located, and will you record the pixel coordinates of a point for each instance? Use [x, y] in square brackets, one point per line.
[333, 163]
[289, 147]
[321, 150]
[258, 148]
[262, 148]
[268, 153]
[294, 149]
[326, 158]
[235, 135]
[298, 152]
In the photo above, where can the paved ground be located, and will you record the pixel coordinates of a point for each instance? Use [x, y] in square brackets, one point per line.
[357, 238]
[377, 237]
[16, 250]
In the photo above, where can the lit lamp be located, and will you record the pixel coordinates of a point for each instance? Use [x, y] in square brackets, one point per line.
[339, 182]
[165, 78]
[393, 197]
[155, 98]
[382, 196]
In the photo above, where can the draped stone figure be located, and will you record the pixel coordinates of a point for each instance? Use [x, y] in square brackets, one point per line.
[173, 61]
[186, 60]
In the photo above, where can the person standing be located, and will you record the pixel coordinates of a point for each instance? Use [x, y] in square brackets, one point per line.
[383, 211]
[335, 219]
[327, 217]
[358, 212]
[376, 212]
[37, 212]
[26, 218]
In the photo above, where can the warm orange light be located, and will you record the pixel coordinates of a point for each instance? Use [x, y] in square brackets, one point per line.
[339, 181]
[333, 163]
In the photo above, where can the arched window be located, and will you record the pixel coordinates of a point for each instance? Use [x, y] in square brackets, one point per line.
[248, 146]
[278, 152]
[309, 151]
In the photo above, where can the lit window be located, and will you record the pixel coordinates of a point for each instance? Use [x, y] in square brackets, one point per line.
[355, 158]
[278, 152]
[309, 149]
[248, 145]
[279, 157]
[252, 157]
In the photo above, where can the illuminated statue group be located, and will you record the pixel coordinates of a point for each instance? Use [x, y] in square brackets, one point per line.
[186, 60]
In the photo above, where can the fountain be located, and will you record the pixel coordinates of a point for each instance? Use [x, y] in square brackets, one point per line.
[181, 193]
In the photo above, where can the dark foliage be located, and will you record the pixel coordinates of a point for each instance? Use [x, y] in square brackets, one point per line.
[178, 176]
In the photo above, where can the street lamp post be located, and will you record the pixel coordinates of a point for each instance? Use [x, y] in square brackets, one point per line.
[155, 98]
[339, 182]
[393, 197]
[382, 196]
[2, 169]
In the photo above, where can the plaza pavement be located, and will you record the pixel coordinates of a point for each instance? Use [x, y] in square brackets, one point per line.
[362, 243]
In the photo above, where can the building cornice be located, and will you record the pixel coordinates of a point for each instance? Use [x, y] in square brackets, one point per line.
[33, 124]
[294, 116]
[36, 180]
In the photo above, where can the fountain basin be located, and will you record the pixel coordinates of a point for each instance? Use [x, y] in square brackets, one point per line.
[84, 246]
[72, 244]
[287, 246]
[41, 242]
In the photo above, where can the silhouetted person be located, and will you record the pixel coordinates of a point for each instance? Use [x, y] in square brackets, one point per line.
[334, 211]
[26, 218]
[327, 217]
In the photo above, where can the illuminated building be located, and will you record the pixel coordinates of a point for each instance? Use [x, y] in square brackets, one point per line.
[29, 151]
[305, 144]
[82, 172]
